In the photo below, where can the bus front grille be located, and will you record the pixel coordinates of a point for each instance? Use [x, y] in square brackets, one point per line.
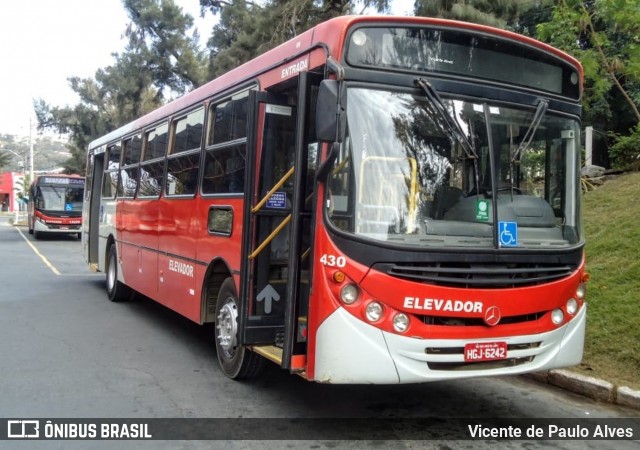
[478, 321]
[482, 275]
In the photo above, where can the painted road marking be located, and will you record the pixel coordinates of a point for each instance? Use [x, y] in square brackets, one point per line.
[37, 252]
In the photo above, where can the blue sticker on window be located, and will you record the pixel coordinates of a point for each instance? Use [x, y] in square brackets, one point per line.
[68, 207]
[508, 234]
[277, 200]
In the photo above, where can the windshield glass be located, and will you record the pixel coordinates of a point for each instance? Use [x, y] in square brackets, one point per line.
[401, 177]
[60, 198]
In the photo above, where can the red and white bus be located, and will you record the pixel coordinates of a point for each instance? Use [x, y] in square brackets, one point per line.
[55, 204]
[378, 200]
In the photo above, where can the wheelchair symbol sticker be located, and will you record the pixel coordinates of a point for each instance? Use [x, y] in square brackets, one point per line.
[508, 234]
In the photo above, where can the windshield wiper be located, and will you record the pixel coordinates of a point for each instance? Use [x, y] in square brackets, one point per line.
[452, 124]
[454, 127]
[533, 127]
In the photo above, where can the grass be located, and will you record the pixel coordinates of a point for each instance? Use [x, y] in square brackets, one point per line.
[612, 226]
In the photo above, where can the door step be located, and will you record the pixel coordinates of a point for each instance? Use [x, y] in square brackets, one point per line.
[272, 353]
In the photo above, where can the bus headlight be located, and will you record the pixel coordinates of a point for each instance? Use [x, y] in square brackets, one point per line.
[581, 291]
[373, 311]
[349, 294]
[557, 316]
[401, 322]
[572, 306]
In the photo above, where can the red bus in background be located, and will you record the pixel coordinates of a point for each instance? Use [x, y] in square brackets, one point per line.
[55, 204]
[378, 200]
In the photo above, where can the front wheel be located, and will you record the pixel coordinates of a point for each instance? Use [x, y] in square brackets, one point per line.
[235, 361]
[116, 290]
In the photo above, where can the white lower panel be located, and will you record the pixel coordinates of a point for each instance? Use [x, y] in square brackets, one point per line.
[349, 350]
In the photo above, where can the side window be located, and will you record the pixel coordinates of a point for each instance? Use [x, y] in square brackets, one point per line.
[151, 175]
[182, 174]
[226, 146]
[156, 142]
[188, 132]
[129, 171]
[152, 165]
[224, 170]
[183, 162]
[111, 171]
[132, 150]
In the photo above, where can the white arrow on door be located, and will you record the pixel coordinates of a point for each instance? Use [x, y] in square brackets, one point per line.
[268, 295]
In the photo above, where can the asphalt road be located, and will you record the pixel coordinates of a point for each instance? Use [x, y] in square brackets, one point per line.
[67, 352]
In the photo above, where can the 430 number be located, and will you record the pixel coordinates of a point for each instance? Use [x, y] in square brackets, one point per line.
[333, 260]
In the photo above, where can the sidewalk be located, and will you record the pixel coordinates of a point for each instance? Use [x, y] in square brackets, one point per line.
[11, 215]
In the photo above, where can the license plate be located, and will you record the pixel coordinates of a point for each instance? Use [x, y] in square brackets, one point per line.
[485, 351]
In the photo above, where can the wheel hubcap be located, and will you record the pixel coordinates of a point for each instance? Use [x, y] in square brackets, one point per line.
[227, 326]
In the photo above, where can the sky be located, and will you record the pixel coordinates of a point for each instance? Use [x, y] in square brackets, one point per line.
[44, 42]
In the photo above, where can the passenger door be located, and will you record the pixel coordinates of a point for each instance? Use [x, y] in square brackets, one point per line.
[277, 228]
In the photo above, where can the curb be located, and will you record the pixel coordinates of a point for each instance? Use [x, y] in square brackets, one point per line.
[599, 390]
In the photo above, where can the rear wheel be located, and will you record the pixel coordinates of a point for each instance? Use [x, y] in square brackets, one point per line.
[116, 290]
[236, 361]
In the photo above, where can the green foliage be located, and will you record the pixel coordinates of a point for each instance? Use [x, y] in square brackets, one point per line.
[5, 158]
[158, 41]
[605, 36]
[626, 151]
[497, 13]
[247, 29]
[7, 142]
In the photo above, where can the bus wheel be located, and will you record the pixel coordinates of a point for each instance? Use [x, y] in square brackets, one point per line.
[236, 361]
[115, 289]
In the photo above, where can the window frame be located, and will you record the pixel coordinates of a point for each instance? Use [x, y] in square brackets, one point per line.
[210, 147]
[136, 165]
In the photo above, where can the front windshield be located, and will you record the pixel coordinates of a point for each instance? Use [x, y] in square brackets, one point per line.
[401, 177]
[60, 198]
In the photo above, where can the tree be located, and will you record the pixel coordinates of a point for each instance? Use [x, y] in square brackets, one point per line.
[605, 36]
[158, 36]
[5, 158]
[247, 29]
[497, 13]
[9, 148]
[159, 62]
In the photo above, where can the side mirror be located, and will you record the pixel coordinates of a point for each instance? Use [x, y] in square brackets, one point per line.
[330, 112]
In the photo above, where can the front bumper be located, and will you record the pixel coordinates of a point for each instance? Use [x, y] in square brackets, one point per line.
[349, 350]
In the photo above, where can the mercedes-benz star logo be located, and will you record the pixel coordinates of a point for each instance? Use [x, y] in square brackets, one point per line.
[492, 316]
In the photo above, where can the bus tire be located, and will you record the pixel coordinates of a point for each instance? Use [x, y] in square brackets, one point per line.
[116, 290]
[237, 362]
